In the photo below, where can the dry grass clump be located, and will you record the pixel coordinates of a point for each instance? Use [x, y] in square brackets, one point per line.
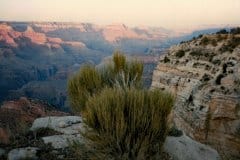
[127, 124]
[90, 80]
[124, 121]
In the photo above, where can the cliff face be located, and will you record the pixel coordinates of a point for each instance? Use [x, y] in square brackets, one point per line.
[204, 74]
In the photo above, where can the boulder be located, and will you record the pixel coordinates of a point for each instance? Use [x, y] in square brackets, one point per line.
[184, 148]
[61, 141]
[69, 126]
[64, 124]
[23, 153]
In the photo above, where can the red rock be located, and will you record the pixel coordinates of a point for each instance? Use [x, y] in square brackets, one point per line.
[15, 115]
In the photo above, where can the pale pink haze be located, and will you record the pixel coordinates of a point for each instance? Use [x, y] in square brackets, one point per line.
[166, 13]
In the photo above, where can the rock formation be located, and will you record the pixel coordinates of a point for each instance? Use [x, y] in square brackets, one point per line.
[9, 36]
[204, 75]
[17, 115]
[70, 127]
[184, 148]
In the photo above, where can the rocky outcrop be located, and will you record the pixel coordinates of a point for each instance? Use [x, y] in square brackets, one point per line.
[69, 127]
[204, 75]
[114, 32]
[184, 148]
[15, 116]
[23, 153]
[54, 136]
[10, 36]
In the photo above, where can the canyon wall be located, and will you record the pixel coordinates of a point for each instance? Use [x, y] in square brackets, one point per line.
[204, 75]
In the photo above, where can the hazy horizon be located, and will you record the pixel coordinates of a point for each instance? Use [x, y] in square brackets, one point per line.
[164, 13]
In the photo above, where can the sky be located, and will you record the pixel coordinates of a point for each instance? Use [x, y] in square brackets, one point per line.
[164, 13]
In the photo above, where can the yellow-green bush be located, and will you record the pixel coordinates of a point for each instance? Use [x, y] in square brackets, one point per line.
[89, 80]
[83, 85]
[127, 124]
[123, 120]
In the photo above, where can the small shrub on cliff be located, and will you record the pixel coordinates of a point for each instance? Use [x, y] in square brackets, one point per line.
[204, 41]
[123, 120]
[90, 80]
[173, 131]
[214, 42]
[219, 78]
[231, 44]
[205, 78]
[221, 37]
[200, 36]
[222, 31]
[235, 30]
[180, 53]
[166, 59]
[127, 124]
[84, 84]
[195, 53]
[216, 61]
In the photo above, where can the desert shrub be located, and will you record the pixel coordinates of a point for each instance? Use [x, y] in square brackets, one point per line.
[222, 31]
[123, 120]
[224, 68]
[200, 36]
[119, 62]
[216, 61]
[195, 53]
[235, 30]
[205, 78]
[173, 131]
[226, 48]
[214, 42]
[232, 43]
[220, 37]
[166, 59]
[90, 80]
[84, 84]
[204, 41]
[127, 123]
[180, 53]
[218, 79]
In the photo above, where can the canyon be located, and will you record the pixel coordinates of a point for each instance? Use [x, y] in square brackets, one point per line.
[37, 58]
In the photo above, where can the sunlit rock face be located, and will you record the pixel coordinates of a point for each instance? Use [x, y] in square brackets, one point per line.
[204, 75]
[9, 36]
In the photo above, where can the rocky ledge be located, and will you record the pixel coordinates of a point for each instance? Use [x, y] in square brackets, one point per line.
[204, 75]
[17, 115]
[68, 130]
